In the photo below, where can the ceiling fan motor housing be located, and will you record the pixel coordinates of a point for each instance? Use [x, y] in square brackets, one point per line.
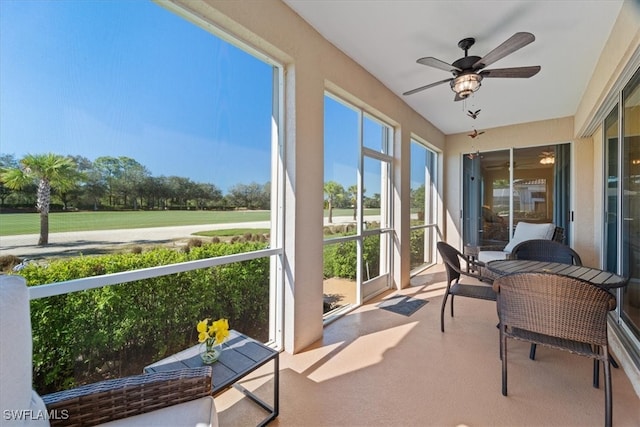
[466, 63]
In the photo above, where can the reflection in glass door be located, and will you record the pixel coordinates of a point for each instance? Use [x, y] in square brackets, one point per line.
[486, 200]
[502, 188]
[611, 191]
[630, 298]
[622, 203]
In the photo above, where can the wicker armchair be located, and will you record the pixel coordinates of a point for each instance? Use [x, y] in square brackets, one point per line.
[524, 231]
[559, 312]
[545, 250]
[177, 398]
[549, 251]
[451, 258]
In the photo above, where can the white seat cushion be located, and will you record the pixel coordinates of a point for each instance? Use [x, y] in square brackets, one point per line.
[195, 413]
[527, 231]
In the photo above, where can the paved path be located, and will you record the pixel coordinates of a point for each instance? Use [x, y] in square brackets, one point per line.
[104, 241]
[96, 241]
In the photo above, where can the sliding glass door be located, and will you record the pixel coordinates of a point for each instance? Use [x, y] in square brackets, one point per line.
[486, 198]
[629, 298]
[622, 203]
[502, 188]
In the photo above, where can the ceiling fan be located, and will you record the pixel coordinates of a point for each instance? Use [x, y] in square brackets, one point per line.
[469, 71]
[547, 158]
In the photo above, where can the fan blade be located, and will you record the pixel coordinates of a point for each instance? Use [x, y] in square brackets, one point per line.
[436, 63]
[411, 92]
[515, 42]
[516, 72]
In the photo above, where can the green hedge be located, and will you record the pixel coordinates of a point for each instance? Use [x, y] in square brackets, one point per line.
[417, 247]
[339, 259]
[116, 330]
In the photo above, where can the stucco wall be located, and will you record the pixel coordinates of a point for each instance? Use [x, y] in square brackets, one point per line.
[619, 50]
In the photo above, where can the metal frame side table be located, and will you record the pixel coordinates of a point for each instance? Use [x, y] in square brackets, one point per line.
[240, 356]
[472, 252]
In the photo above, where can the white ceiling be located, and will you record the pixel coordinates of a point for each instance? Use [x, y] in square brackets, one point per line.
[387, 37]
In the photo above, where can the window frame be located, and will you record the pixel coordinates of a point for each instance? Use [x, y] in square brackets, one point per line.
[277, 218]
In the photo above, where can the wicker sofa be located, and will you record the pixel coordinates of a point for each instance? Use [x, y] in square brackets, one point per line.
[178, 398]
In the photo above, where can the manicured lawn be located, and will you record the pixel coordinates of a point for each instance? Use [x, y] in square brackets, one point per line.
[29, 223]
[12, 224]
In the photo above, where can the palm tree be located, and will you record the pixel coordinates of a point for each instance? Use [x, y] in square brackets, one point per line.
[47, 171]
[352, 192]
[334, 191]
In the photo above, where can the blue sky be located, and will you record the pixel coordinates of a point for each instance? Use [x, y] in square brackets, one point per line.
[341, 143]
[129, 78]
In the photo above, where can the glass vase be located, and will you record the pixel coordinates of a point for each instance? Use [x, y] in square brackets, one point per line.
[210, 353]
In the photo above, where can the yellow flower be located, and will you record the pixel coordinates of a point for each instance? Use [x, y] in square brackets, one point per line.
[222, 330]
[215, 333]
[202, 325]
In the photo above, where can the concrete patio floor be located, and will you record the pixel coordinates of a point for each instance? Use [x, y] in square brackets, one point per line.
[374, 367]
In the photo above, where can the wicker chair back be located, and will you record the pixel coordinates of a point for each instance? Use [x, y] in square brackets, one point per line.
[450, 256]
[545, 250]
[558, 312]
[554, 305]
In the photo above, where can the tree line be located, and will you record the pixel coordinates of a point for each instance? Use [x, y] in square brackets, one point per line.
[337, 196]
[124, 183]
[115, 183]
[112, 182]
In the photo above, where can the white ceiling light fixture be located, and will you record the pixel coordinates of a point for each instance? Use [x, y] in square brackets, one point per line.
[465, 84]
[547, 158]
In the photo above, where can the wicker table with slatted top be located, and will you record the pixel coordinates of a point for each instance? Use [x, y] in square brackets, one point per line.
[240, 356]
[602, 279]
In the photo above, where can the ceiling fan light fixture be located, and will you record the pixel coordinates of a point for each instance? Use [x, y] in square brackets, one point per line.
[465, 84]
[548, 160]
